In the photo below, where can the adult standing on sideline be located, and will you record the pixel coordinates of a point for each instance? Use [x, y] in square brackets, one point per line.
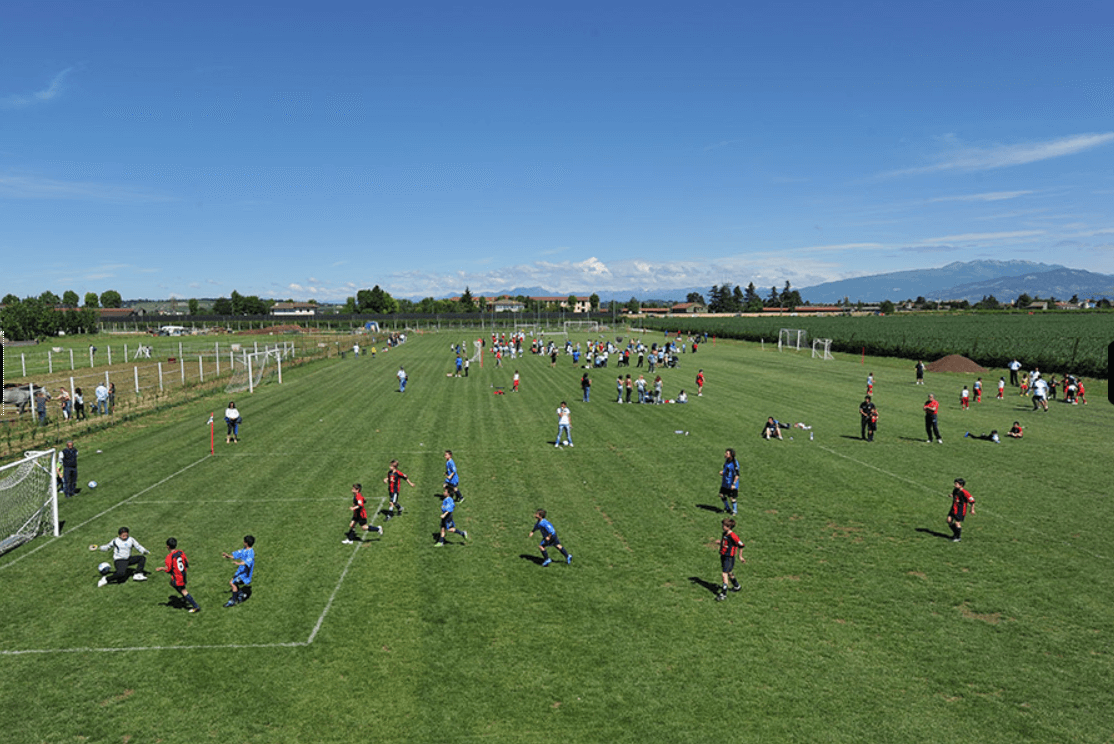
[931, 424]
[40, 406]
[564, 425]
[868, 419]
[1014, 367]
[101, 394]
[586, 387]
[69, 470]
[232, 420]
[78, 405]
[920, 372]
[64, 400]
[112, 397]
[401, 380]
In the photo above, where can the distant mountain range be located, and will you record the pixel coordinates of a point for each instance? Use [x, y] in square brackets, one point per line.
[970, 281]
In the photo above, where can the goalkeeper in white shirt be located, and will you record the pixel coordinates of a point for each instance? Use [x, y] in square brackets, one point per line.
[122, 558]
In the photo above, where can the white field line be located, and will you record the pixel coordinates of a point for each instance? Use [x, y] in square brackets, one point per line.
[982, 510]
[223, 646]
[95, 517]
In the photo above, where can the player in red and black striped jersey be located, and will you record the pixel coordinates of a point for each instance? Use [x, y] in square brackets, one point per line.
[176, 565]
[394, 475]
[359, 516]
[962, 502]
[729, 547]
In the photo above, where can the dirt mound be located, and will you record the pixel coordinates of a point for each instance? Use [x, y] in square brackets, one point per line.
[955, 363]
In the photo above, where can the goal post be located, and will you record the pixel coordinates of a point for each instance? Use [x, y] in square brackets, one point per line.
[252, 369]
[822, 348]
[582, 326]
[28, 499]
[792, 338]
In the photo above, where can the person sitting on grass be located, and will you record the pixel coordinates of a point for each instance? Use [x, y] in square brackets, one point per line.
[1015, 431]
[772, 428]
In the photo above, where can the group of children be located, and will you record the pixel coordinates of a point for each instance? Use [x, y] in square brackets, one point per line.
[176, 564]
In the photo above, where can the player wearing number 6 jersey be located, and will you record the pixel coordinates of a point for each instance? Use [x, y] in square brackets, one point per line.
[176, 565]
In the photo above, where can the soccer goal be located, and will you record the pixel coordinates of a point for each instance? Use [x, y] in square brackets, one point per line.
[822, 348]
[479, 346]
[582, 326]
[28, 499]
[252, 370]
[792, 338]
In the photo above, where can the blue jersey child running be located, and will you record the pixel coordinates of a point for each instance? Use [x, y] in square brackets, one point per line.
[244, 572]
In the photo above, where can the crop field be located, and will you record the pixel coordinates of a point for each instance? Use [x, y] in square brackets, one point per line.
[1062, 342]
[858, 619]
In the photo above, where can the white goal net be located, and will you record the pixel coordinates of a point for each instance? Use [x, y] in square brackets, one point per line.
[479, 350]
[582, 326]
[251, 370]
[28, 499]
[822, 348]
[792, 338]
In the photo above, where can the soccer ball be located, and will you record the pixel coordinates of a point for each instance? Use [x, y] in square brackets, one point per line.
[92, 484]
[104, 569]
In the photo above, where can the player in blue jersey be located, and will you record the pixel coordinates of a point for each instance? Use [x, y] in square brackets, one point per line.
[729, 483]
[448, 509]
[245, 569]
[549, 537]
[452, 478]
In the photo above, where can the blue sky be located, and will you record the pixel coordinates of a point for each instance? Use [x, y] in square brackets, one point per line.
[307, 150]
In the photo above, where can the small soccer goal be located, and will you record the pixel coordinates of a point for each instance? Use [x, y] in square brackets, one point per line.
[28, 499]
[822, 348]
[582, 326]
[479, 350]
[794, 339]
[254, 369]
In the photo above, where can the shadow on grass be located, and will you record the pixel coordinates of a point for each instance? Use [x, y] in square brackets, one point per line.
[912, 439]
[535, 559]
[709, 585]
[709, 507]
[934, 533]
[176, 602]
[849, 436]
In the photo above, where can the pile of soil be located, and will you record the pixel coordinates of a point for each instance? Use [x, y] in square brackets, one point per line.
[955, 363]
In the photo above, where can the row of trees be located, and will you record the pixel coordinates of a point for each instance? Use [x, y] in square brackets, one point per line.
[378, 301]
[45, 315]
[724, 299]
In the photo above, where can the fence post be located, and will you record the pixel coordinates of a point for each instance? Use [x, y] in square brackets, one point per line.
[200, 368]
[108, 348]
[135, 370]
[216, 355]
[49, 361]
[160, 376]
[23, 359]
[71, 360]
[125, 352]
[278, 358]
[251, 386]
[182, 365]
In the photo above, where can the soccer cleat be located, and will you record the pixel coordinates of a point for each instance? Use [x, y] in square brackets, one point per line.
[345, 542]
[546, 562]
[736, 588]
[570, 444]
[380, 528]
[558, 445]
[439, 544]
[103, 581]
[194, 609]
[230, 603]
[139, 577]
[720, 597]
[955, 539]
[388, 517]
[939, 441]
[464, 534]
[568, 560]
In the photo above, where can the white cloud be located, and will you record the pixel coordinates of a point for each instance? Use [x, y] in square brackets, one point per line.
[981, 237]
[46, 94]
[992, 196]
[25, 187]
[1004, 156]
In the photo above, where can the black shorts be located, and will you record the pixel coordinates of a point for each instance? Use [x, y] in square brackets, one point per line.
[394, 497]
[956, 517]
[360, 520]
[179, 588]
[729, 492]
[447, 523]
[727, 563]
[550, 540]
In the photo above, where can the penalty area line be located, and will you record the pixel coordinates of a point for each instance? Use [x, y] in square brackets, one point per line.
[214, 646]
[95, 517]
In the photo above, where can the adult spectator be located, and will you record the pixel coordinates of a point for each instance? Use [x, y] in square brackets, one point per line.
[69, 470]
[1014, 367]
[101, 394]
[868, 419]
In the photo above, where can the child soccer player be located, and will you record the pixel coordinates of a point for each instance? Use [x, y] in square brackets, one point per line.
[729, 547]
[729, 482]
[359, 516]
[870, 383]
[448, 506]
[452, 478]
[962, 500]
[245, 568]
[699, 378]
[176, 565]
[965, 398]
[122, 546]
[978, 390]
[549, 537]
[1015, 431]
[514, 382]
[1001, 387]
[394, 475]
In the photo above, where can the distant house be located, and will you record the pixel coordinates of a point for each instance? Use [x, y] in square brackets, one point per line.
[1041, 305]
[119, 313]
[506, 305]
[654, 310]
[294, 309]
[688, 308]
[583, 304]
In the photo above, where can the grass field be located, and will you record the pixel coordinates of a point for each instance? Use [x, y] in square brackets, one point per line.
[857, 621]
